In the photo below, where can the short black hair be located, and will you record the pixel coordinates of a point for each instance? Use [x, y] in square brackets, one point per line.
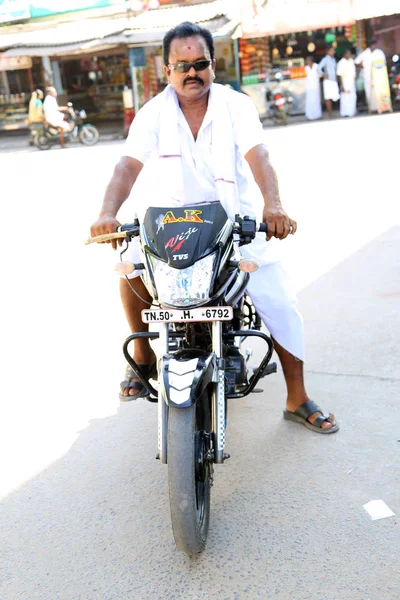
[372, 43]
[185, 30]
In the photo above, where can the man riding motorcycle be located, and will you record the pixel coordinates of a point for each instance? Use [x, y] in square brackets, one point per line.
[187, 146]
[56, 115]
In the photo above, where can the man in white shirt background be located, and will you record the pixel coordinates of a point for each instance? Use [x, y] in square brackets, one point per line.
[193, 108]
[346, 72]
[55, 115]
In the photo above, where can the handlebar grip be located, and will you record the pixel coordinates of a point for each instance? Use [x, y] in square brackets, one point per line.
[105, 237]
[263, 228]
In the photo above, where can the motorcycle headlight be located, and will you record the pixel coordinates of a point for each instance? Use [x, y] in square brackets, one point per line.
[82, 114]
[183, 287]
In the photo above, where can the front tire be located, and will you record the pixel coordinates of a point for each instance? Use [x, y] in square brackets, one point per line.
[89, 135]
[189, 480]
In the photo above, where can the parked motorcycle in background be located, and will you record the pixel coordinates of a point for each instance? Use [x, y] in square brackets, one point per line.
[85, 133]
[394, 79]
[278, 106]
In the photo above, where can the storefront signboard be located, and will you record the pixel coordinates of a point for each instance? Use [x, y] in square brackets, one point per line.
[367, 9]
[12, 63]
[285, 16]
[14, 10]
[44, 8]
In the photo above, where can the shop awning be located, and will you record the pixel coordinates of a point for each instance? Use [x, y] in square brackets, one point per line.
[220, 27]
[367, 9]
[39, 42]
[92, 34]
[278, 17]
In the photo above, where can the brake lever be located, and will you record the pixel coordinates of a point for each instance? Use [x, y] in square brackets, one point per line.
[130, 229]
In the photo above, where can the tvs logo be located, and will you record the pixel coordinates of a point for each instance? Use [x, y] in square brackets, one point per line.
[180, 256]
[177, 241]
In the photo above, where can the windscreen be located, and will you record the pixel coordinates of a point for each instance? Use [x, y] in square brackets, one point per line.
[182, 235]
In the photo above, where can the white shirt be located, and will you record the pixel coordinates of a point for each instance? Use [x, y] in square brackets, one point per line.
[313, 77]
[51, 113]
[142, 144]
[347, 71]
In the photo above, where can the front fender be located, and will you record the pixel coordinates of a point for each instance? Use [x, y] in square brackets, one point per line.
[185, 375]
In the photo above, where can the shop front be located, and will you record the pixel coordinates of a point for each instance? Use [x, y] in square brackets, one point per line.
[276, 41]
[95, 82]
[18, 78]
[147, 69]
[95, 62]
[279, 61]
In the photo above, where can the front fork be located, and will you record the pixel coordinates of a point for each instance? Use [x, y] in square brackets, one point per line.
[218, 395]
[217, 400]
[162, 405]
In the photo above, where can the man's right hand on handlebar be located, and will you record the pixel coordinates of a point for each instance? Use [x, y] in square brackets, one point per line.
[106, 223]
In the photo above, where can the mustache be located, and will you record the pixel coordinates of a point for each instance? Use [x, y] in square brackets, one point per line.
[188, 79]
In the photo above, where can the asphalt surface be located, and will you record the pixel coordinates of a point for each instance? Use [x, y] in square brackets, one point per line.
[84, 511]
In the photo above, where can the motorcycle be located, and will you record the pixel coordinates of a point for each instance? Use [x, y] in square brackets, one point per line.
[394, 78]
[87, 134]
[277, 106]
[191, 267]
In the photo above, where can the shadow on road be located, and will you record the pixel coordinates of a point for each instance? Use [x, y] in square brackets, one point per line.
[287, 516]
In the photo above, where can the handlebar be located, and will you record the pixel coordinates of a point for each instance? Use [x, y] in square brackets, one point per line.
[124, 232]
[245, 227]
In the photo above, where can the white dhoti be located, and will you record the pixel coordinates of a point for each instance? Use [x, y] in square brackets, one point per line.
[331, 90]
[313, 94]
[348, 101]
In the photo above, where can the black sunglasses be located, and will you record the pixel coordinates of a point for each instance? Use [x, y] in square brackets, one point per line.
[184, 67]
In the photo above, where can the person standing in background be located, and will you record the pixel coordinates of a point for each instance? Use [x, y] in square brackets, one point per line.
[376, 80]
[327, 70]
[364, 61]
[313, 90]
[346, 72]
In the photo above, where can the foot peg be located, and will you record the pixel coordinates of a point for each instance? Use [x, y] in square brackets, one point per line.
[269, 369]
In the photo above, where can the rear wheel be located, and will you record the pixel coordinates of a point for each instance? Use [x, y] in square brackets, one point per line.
[88, 135]
[42, 142]
[190, 474]
[280, 117]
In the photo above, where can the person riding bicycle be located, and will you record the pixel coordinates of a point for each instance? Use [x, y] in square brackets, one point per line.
[200, 142]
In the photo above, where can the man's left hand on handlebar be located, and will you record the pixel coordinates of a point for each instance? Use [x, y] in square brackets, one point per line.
[106, 224]
[279, 224]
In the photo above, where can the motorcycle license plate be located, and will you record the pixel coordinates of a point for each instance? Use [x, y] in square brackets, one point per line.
[206, 313]
[280, 102]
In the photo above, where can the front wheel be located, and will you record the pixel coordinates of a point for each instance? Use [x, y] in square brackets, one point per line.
[189, 475]
[88, 135]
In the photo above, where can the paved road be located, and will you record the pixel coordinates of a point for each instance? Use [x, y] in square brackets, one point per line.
[84, 514]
